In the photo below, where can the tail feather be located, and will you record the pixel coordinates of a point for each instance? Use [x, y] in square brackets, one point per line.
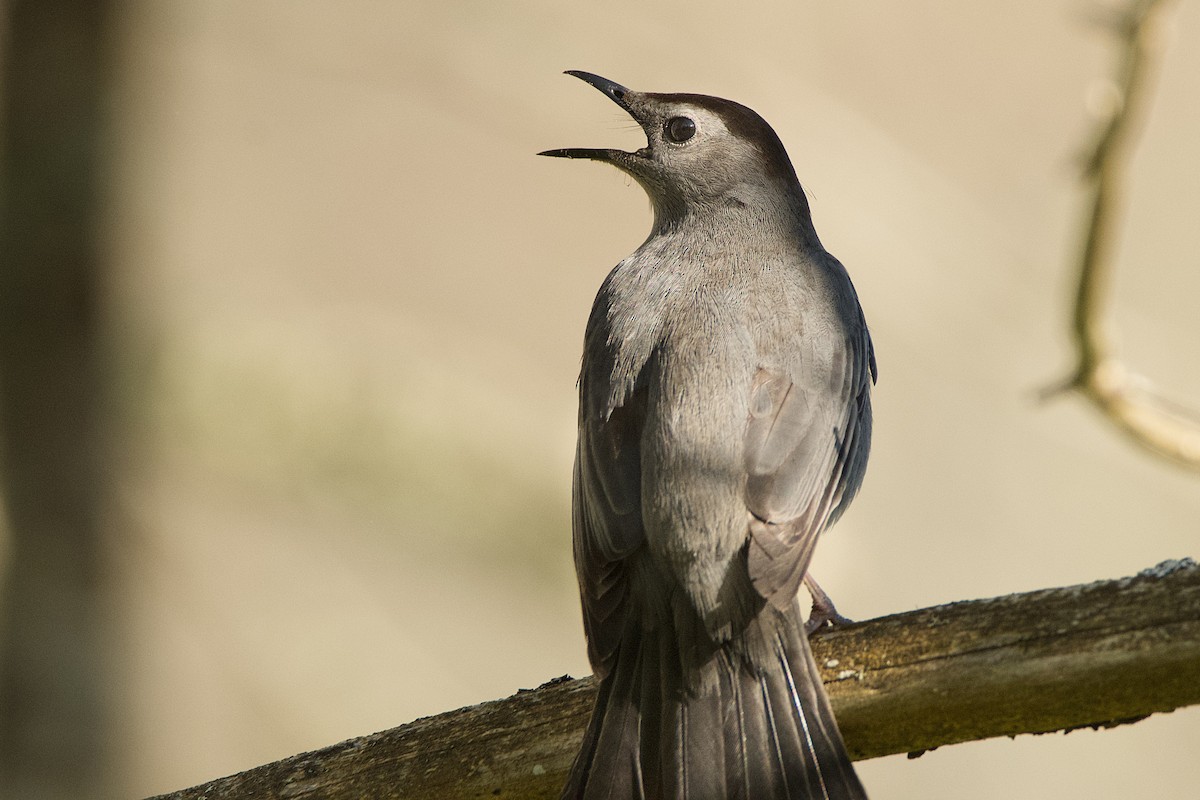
[613, 770]
[813, 761]
[702, 745]
[742, 731]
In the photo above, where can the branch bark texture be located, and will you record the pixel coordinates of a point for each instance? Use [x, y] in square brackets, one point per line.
[1095, 655]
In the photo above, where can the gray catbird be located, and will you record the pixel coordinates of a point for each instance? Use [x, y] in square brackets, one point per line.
[724, 423]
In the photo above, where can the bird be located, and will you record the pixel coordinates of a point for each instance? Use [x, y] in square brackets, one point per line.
[724, 424]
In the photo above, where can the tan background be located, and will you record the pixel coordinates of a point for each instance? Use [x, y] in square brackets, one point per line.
[353, 303]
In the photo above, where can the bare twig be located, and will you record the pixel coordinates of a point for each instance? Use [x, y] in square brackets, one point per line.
[1123, 397]
[1083, 656]
[57, 636]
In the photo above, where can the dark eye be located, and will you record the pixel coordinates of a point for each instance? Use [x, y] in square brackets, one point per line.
[680, 129]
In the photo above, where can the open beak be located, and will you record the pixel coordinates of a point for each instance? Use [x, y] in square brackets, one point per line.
[615, 92]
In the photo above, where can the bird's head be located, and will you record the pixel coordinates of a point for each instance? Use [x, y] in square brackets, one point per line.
[700, 152]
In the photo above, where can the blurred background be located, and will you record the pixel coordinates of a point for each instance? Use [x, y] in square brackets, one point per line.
[290, 337]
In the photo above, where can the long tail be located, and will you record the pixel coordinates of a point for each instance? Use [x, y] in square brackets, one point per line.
[753, 732]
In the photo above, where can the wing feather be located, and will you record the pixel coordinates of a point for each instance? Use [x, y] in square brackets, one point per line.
[806, 444]
[607, 521]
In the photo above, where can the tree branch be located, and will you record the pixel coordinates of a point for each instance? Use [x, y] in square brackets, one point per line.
[1126, 399]
[1095, 655]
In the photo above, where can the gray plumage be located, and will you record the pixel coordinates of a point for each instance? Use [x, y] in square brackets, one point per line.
[724, 423]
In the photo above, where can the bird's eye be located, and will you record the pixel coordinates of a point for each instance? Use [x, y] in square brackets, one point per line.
[680, 129]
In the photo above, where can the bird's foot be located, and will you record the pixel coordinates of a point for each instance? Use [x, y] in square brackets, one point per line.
[824, 613]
